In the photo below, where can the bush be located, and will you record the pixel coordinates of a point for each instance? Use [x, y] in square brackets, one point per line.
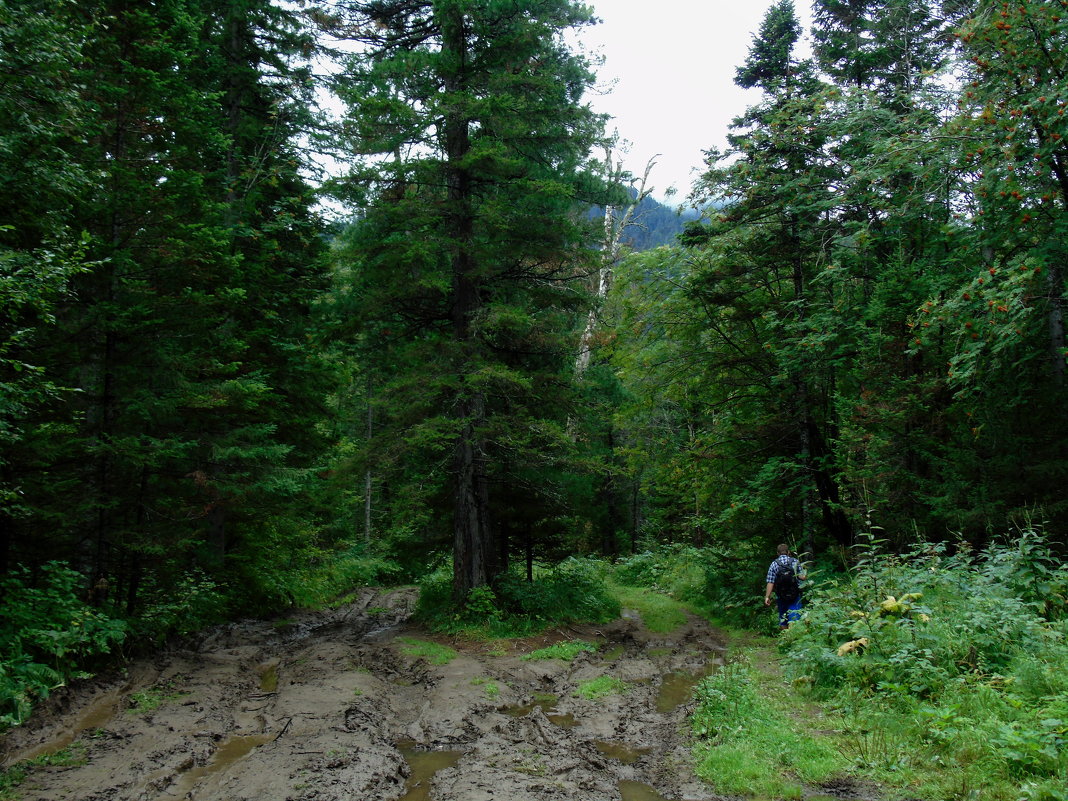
[46, 633]
[573, 591]
[968, 651]
[194, 603]
[722, 582]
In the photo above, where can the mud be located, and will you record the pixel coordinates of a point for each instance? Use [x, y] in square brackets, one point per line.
[327, 707]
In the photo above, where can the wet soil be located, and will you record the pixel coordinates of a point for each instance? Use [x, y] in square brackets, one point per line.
[329, 707]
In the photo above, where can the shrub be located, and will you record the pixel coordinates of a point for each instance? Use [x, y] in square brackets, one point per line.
[196, 602]
[46, 633]
[968, 651]
[573, 591]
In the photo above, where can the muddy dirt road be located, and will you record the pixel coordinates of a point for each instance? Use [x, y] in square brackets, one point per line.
[332, 707]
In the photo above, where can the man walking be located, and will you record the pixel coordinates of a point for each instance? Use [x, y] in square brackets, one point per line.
[784, 577]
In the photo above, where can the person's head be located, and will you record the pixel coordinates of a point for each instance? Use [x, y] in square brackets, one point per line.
[783, 549]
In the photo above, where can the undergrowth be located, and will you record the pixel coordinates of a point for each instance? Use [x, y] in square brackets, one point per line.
[950, 669]
[566, 651]
[574, 591]
[747, 740]
[46, 633]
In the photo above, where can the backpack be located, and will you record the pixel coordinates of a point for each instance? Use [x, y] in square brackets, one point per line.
[786, 587]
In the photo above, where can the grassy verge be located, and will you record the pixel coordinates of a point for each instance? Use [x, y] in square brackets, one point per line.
[659, 613]
[753, 737]
[11, 777]
[432, 652]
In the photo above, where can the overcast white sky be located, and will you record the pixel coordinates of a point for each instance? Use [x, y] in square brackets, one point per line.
[672, 63]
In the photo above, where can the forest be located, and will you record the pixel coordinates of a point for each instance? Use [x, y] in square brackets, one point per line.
[297, 297]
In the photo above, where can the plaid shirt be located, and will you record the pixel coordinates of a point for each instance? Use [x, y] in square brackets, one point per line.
[784, 560]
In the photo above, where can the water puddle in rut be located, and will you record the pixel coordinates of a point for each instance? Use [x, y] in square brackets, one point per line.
[234, 749]
[424, 765]
[624, 753]
[547, 704]
[95, 716]
[677, 688]
[636, 791]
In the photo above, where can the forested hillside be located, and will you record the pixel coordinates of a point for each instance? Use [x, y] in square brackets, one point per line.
[214, 400]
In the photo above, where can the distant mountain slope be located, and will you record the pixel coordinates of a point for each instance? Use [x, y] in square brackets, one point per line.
[655, 224]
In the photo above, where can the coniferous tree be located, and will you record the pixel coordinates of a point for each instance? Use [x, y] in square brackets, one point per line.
[184, 339]
[468, 259]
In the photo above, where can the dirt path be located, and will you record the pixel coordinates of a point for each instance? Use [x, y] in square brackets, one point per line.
[328, 707]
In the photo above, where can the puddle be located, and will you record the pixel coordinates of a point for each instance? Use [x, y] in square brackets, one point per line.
[677, 688]
[269, 677]
[424, 765]
[613, 653]
[624, 753]
[636, 791]
[226, 755]
[547, 704]
[95, 716]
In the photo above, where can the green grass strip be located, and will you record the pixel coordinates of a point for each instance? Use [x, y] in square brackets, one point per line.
[432, 652]
[567, 650]
[659, 613]
[747, 742]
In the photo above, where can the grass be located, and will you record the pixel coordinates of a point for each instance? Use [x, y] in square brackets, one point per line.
[659, 613]
[601, 687]
[13, 776]
[152, 698]
[493, 690]
[432, 652]
[567, 650]
[750, 736]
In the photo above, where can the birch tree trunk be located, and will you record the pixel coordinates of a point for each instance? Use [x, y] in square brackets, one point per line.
[611, 247]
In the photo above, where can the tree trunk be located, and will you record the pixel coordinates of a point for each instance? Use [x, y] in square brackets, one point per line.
[1056, 323]
[474, 554]
[368, 478]
[611, 247]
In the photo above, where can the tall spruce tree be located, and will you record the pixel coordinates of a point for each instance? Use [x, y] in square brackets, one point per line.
[763, 250]
[468, 262]
[184, 339]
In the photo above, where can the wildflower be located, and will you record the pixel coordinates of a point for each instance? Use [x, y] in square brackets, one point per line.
[853, 646]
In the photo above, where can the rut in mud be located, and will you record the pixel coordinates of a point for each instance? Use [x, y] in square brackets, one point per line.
[328, 707]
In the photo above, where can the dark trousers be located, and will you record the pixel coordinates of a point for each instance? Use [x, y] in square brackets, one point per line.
[789, 611]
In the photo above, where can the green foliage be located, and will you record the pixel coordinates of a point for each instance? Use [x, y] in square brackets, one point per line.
[195, 602]
[46, 634]
[573, 591]
[965, 652]
[566, 650]
[746, 742]
[432, 652]
[601, 687]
